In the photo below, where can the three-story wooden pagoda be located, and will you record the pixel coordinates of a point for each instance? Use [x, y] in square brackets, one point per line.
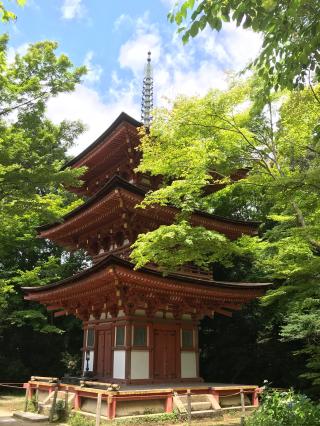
[139, 326]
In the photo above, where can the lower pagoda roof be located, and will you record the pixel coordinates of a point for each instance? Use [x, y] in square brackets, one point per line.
[113, 284]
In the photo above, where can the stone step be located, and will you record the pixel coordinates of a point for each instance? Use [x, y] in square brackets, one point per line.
[206, 413]
[30, 417]
[200, 406]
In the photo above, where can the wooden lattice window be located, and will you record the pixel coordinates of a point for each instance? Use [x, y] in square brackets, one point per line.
[90, 337]
[120, 333]
[140, 336]
[187, 339]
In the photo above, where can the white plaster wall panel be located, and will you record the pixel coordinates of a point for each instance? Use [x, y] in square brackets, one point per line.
[188, 365]
[119, 364]
[139, 365]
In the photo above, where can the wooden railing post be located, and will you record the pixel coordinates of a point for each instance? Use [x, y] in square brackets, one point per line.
[66, 399]
[26, 401]
[98, 409]
[243, 408]
[53, 406]
[37, 398]
[189, 406]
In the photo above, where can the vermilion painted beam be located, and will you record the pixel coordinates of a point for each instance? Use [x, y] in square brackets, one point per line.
[60, 314]
[233, 306]
[224, 312]
[53, 307]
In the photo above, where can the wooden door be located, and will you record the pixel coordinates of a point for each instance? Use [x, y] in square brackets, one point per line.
[104, 353]
[171, 349]
[165, 354]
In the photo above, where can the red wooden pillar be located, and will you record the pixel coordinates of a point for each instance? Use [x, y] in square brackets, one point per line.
[178, 328]
[151, 349]
[29, 390]
[84, 345]
[111, 407]
[128, 348]
[169, 404]
[216, 396]
[255, 399]
[77, 404]
[195, 331]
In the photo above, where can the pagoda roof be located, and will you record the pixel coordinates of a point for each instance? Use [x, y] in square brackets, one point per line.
[113, 284]
[116, 260]
[122, 118]
[136, 194]
[113, 183]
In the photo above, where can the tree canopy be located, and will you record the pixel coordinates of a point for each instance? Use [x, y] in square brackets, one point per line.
[32, 152]
[5, 14]
[225, 154]
[290, 52]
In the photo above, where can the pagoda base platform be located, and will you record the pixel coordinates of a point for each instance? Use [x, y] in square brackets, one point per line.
[146, 399]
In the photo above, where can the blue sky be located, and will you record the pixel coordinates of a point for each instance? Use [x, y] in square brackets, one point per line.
[112, 38]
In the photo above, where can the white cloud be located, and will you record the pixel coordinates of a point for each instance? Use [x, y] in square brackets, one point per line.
[233, 46]
[86, 105]
[71, 9]
[133, 53]
[169, 3]
[20, 50]
[94, 71]
[123, 20]
[204, 63]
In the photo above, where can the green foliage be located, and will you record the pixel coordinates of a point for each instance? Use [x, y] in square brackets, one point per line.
[290, 52]
[5, 14]
[72, 363]
[285, 409]
[150, 418]
[185, 243]
[32, 181]
[62, 411]
[76, 419]
[237, 154]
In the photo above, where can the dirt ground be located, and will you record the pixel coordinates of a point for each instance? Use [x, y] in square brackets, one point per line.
[9, 403]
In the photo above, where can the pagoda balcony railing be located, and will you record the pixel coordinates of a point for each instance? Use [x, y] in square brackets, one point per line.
[122, 252]
[188, 269]
[195, 271]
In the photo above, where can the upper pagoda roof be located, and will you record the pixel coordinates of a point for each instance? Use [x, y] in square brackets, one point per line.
[122, 118]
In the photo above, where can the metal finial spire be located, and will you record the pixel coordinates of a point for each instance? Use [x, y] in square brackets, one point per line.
[147, 93]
